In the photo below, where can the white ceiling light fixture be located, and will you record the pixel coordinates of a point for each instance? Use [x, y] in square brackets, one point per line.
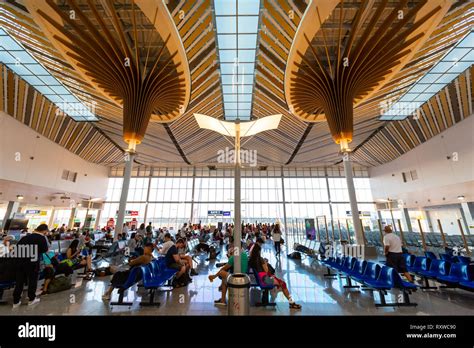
[461, 197]
[247, 128]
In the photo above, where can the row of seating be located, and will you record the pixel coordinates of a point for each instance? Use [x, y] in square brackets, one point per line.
[372, 276]
[152, 277]
[459, 274]
[449, 258]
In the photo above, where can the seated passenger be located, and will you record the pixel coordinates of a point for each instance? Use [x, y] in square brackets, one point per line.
[187, 258]
[135, 245]
[163, 248]
[224, 272]
[75, 258]
[173, 260]
[260, 266]
[120, 278]
[52, 267]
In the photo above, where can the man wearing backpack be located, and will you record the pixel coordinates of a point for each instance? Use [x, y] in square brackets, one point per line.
[27, 268]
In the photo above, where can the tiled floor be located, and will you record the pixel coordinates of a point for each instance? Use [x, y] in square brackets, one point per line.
[319, 296]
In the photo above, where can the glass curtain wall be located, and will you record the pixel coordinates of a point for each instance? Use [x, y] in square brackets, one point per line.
[171, 197]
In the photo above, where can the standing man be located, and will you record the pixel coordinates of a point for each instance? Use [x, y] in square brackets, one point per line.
[27, 268]
[393, 252]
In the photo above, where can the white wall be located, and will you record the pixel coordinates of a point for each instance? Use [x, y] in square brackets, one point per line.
[50, 159]
[438, 177]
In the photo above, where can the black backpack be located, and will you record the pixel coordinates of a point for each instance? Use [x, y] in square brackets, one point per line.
[295, 255]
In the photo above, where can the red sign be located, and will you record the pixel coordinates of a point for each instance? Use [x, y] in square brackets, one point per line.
[130, 212]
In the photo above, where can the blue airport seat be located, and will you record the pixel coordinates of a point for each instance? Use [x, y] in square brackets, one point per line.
[431, 255]
[409, 259]
[463, 259]
[421, 264]
[467, 276]
[372, 271]
[447, 257]
[155, 276]
[387, 280]
[358, 269]
[433, 270]
[454, 275]
[134, 277]
[384, 281]
[347, 265]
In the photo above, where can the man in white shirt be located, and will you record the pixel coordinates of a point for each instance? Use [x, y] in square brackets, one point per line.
[126, 229]
[163, 248]
[393, 252]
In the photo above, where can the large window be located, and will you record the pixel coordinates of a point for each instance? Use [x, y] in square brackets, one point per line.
[167, 197]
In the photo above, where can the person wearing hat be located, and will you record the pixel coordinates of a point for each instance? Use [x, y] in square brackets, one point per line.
[27, 267]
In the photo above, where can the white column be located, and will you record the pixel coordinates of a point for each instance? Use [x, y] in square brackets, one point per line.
[12, 208]
[467, 217]
[406, 219]
[123, 196]
[352, 198]
[284, 205]
[70, 224]
[237, 219]
[51, 218]
[97, 219]
[192, 195]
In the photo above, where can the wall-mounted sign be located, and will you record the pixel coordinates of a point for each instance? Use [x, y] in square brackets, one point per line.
[32, 212]
[215, 212]
[361, 213]
[129, 212]
[226, 213]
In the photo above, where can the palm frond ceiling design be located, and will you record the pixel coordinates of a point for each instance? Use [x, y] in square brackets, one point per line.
[329, 75]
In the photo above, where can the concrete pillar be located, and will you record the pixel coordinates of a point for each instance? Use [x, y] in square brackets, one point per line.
[406, 219]
[97, 219]
[426, 215]
[284, 203]
[467, 218]
[145, 216]
[193, 195]
[70, 224]
[12, 208]
[360, 240]
[51, 218]
[237, 218]
[123, 196]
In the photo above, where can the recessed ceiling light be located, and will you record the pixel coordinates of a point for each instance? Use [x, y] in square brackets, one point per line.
[461, 198]
[20, 197]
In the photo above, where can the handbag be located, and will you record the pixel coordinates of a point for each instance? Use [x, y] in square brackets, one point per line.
[282, 241]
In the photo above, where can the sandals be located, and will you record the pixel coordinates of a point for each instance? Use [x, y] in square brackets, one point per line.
[294, 305]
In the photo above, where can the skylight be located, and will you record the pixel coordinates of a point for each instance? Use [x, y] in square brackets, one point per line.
[237, 29]
[16, 58]
[456, 61]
